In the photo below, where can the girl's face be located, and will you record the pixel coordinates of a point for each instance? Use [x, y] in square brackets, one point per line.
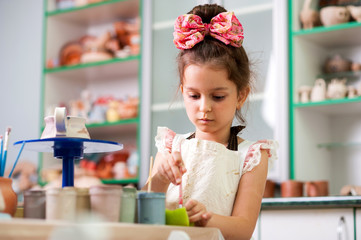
[210, 98]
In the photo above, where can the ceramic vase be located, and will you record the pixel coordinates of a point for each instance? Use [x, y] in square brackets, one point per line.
[319, 90]
[10, 197]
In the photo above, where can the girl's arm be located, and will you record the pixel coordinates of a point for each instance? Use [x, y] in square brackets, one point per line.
[246, 206]
[168, 168]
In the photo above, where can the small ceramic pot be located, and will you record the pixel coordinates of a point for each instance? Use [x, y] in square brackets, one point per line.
[269, 190]
[316, 188]
[9, 196]
[292, 188]
[128, 205]
[151, 208]
[106, 201]
[333, 15]
[34, 204]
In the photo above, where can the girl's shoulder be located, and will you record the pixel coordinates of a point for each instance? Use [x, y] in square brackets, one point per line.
[251, 152]
[166, 139]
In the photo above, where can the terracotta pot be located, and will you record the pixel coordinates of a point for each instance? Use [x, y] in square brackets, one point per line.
[10, 197]
[269, 190]
[292, 188]
[316, 188]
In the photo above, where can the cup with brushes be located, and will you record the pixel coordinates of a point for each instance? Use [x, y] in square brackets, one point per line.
[176, 217]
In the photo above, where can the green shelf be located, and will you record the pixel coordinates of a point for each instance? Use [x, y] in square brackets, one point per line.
[74, 9]
[350, 75]
[328, 102]
[120, 122]
[92, 64]
[322, 29]
[120, 181]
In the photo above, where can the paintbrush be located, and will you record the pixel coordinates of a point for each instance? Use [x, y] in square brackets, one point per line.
[1, 152]
[150, 174]
[6, 144]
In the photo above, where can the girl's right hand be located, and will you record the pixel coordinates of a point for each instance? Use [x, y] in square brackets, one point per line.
[169, 167]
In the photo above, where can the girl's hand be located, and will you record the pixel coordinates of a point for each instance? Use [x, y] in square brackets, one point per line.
[197, 213]
[169, 167]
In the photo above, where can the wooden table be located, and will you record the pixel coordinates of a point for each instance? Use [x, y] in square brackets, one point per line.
[34, 229]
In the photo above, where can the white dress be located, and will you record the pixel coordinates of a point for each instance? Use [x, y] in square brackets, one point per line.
[213, 171]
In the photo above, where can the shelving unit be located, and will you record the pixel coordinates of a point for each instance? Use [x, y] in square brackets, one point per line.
[116, 77]
[324, 135]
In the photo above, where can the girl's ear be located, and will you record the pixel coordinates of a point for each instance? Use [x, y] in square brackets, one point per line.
[242, 97]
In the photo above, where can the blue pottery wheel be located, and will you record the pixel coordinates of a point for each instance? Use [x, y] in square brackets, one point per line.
[69, 149]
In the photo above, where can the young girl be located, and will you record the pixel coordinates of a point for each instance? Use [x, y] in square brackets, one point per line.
[222, 175]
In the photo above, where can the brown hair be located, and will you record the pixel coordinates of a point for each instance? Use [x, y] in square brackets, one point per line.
[216, 54]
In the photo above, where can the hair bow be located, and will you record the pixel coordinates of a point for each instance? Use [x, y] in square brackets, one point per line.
[190, 30]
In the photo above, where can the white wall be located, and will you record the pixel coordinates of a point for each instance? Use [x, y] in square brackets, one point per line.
[20, 72]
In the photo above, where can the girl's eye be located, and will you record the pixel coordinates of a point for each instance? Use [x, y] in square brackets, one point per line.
[218, 98]
[193, 96]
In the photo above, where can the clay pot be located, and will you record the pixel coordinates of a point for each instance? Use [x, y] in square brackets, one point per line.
[269, 190]
[333, 15]
[337, 64]
[292, 188]
[337, 89]
[316, 188]
[10, 197]
[34, 204]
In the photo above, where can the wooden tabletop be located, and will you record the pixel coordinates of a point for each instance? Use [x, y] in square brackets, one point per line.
[34, 229]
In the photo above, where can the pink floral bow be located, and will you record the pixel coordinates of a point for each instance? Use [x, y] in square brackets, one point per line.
[190, 30]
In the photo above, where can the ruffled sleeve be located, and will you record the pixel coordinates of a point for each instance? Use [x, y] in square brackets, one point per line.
[164, 139]
[253, 156]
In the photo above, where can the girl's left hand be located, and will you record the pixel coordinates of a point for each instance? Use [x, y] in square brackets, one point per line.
[197, 213]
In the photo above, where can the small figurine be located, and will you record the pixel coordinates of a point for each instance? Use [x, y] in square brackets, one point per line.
[319, 90]
[337, 89]
[351, 92]
[304, 94]
[355, 12]
[309, 17]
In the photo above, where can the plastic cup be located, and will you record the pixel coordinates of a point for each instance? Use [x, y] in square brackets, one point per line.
[128, 205]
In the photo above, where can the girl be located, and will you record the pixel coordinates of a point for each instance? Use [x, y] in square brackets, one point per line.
[223, 176]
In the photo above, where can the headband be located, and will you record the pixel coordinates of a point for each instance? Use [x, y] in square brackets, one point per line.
[190, 30]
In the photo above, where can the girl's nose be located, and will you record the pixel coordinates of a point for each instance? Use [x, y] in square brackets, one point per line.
[205, 105]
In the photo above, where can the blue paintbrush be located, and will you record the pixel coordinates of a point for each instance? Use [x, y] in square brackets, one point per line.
[6, 143]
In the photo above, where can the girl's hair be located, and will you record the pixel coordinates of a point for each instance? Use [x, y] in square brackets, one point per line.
[216, 54]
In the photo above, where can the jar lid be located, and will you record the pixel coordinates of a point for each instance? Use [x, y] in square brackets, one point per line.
[129, 190]
[53, 191]
[34, 193]
[105, 189]
[142, 195]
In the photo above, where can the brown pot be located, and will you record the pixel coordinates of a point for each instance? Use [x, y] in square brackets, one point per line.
[316, 188]
[269, 190]
[10, 197]
[292, 188]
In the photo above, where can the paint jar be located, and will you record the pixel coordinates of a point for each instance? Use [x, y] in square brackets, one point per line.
[128, 205]
[82, 202]
[106, 201]
[61, 204]
[151, 208]
[34, 204]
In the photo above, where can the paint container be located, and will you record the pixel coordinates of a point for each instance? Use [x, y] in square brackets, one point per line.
[151, 208]
[128, 205]
[82, 202]
[34, 204]
[106, 201]
[61, 204]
